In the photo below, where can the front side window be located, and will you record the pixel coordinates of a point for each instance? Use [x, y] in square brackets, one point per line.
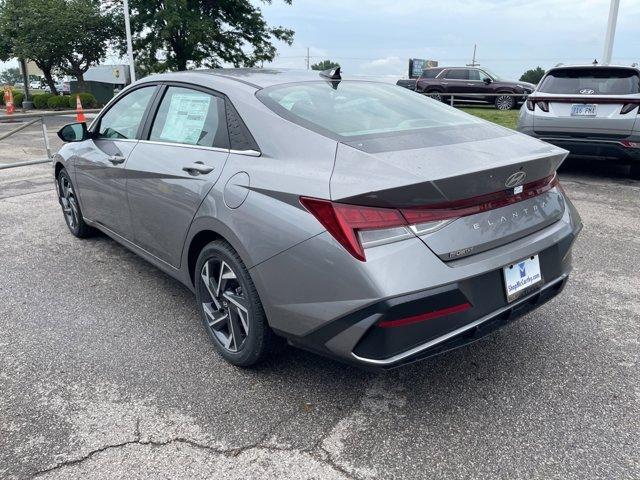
[476, 75]
[458, 74]
[356, 108]
[123, 119]
[430, 73]
[597, 80]
[190, 117]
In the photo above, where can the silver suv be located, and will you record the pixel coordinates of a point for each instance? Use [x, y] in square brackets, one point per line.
[589, 110]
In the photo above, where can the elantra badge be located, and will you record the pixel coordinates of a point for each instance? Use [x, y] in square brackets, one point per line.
[515, 179]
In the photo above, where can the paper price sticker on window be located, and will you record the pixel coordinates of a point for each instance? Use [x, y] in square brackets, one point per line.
[186, 118]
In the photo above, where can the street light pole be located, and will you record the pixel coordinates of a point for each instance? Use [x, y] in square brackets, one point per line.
[127, 26]
[611, 31]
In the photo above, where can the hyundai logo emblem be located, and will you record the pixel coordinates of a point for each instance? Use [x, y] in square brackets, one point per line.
[515, 179]
[587, 91]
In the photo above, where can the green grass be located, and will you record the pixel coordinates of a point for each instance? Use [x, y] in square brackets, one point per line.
[506, 118]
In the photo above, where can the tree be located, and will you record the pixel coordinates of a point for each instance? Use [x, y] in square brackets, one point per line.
[30, 29]
[533, 75]
[10, 76]
[89, 29]
[176, 34]
[324, 65]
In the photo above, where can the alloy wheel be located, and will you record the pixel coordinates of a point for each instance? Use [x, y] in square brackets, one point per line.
[68, 201]
[435, 96]
[504, 102]
[225, 304]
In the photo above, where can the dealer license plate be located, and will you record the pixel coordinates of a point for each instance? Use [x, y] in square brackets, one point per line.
[522, 278]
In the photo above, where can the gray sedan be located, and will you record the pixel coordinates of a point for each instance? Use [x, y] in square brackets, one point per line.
[353, 218]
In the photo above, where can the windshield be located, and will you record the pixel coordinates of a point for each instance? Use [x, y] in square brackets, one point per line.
[599, 80]
[491, 74]
[359, 108]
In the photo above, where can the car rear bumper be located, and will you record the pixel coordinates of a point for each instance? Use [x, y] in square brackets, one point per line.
[384, 348]
[605, 147]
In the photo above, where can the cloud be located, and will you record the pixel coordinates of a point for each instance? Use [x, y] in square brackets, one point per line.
[391, 65]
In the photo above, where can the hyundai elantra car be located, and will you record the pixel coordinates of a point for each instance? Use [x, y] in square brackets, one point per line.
[353, 218]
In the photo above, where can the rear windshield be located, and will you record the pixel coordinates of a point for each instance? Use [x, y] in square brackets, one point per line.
[355, 108]
[598, 81]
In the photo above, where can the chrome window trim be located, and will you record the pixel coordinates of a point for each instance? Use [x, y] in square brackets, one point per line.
[248, 153]
[186, 145]
[458, 331]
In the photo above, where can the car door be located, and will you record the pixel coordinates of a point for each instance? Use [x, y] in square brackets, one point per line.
[185, 147]
[476, 83]
[455, 80]
[100, 176]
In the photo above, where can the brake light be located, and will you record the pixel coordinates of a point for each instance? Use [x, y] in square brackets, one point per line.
[628, 107]
[356, 227]
[543, 105]
[531, 105]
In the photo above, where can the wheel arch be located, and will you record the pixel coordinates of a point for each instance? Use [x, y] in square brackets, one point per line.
[203, 231]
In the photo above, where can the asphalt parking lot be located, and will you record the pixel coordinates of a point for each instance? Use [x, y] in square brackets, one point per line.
[107, 372]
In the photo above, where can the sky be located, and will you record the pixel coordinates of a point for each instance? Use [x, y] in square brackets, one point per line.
[377, 37]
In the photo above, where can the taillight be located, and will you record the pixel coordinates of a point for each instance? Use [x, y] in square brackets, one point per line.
[357, 227]
[344, 222]
[531, 105]
[630, 144]
[543, 105]
[628, 107]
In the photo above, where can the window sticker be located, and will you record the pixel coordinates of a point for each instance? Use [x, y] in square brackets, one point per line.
[185, 118]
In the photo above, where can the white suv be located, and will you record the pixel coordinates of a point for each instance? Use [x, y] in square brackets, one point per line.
[589, 110]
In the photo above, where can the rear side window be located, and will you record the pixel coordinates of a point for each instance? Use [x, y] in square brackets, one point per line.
[458, 74]
[430, 73]
[123, 119]
[353, 109]
[598, 81]
[190, 117]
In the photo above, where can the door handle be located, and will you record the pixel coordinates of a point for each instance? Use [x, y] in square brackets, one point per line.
[197, 168]
[445, 83]
[116, 159]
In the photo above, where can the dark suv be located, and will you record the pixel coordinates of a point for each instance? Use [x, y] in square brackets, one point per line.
[438, 81]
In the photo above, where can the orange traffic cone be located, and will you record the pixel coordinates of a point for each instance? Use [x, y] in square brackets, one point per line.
[79, 112]
[8, 100]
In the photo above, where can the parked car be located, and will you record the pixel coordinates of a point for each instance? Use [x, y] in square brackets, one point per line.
[353, 218]
[438, 81]
[63, 88]
[35, 85]
[590, 110]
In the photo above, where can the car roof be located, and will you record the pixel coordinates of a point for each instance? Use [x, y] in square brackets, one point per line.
[591, 65]
[258, 77]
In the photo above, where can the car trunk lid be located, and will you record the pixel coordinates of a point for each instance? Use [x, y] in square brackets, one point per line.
[434, 175]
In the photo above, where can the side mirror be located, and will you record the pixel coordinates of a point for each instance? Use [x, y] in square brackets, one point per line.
[487, 80]
[74, 132]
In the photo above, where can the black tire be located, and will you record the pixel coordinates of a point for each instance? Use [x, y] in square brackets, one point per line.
[504, 102]
[634, 171]
[71, 207]
[259, 342]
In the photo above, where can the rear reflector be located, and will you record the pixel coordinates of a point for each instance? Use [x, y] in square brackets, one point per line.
[443, 312]
[353, 225]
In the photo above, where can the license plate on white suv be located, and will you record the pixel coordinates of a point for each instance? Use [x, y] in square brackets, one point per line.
[522, 277]
[584, 110]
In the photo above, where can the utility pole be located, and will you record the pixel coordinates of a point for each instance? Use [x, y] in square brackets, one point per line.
[611, 32]
[307, 59]
[127, 26]
[473, 62]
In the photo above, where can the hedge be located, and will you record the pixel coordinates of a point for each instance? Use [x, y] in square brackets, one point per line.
[58, 102]
[88, 100]
[40, 99]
